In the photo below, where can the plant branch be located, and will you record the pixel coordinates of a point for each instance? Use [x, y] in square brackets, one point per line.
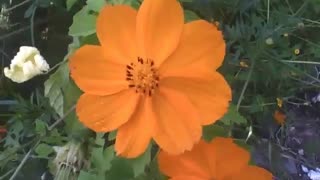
[245, 85]
[16, 6]
[24, 160]
[62, 118]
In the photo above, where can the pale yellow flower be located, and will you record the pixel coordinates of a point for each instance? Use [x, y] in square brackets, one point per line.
[26, 64]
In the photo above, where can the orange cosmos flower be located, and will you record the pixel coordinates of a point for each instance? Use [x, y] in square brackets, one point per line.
[152, 77]
[220, 159]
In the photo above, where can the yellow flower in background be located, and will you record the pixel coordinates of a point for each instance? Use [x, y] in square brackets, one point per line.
[279, 102]
[296, 51]
[244, 64]
[26, 64]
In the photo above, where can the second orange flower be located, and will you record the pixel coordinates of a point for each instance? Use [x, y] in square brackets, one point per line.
[152, 77]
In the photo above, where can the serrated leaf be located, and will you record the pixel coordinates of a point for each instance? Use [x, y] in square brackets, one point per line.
[138, 164]
[70, 4]
[83, 24]
[233, 116]
[101, 158]
[96, 5]
[43, 150]
[53, 88]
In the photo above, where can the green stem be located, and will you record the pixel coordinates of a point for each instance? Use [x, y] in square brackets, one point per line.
[32, 26]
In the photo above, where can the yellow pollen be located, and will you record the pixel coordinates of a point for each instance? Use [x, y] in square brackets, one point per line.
[142, 75]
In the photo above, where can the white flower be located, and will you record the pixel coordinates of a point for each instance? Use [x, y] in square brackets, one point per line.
[26, 64]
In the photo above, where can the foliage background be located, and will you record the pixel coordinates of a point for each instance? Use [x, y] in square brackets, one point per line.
[261, 65]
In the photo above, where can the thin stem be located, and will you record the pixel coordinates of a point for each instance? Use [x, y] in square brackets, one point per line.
[32, 26]
[287, 1]
[301, 62]
[264, 104]
[306, 40]
[301, 7]
[6, 174]
[24, 160]
[16, 6]
[62, 118]
[268, 11]
[54, 67]
[245, 85]
[5, 54]
[20, 30]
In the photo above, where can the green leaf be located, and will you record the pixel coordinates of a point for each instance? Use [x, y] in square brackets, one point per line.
[96, 5]
[40, 127]
[71, 95]
[83, 24]
[190, 16]
[43, 150]
[70, 4]
[138, 164]
[86, 176]
[133, 3]
[101, 158]
[233, 116]
[212, 131]
[112, 135]
[120, 170]
[53, 88]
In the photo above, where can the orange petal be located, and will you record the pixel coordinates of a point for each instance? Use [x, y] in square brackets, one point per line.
[184, 177]
[228, 157]
[201, 49]
[159, 27]
[116, 30]
[94, 74]
[252, 173]
[134, 136]
[106, 113]
[209, 96]
[177, 122]
[190, 163]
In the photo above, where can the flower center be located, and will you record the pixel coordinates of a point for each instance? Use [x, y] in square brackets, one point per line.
[142, 75]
